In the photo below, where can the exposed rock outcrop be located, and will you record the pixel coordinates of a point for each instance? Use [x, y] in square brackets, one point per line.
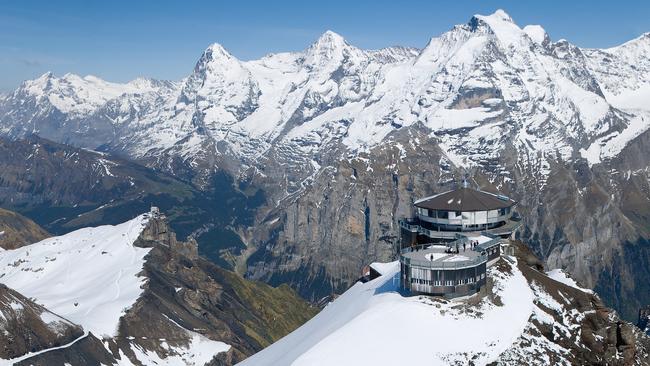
[188, 311]
[16, 230]
[186, 292]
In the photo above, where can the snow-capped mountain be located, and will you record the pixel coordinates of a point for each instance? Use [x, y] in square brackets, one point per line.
[89, 276]
[525, 317]
[488, 80]
[347, 138]
[131, 294]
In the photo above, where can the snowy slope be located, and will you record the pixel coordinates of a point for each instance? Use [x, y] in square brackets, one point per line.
[373, 324]
[525, 318]
[89, 276]
[198, 352]
[561, 276]
[81, 95]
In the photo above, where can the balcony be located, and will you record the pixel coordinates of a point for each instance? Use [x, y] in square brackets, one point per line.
[413, 225]
[437, 257]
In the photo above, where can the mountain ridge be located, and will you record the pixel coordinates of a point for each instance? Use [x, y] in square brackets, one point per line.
[139, 296]
[519, 111]
[523, 316]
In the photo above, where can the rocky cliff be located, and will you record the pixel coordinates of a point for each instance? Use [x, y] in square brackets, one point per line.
[177, 308]
[17, 230]
[347, 137]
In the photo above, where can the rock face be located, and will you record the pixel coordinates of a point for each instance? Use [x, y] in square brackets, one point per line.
[64, 188]
[586, 329]
[644, 319]
[29, 329]
[45, 329]
[344, 137]
[17, 230]
[187, 310]
[186, 292]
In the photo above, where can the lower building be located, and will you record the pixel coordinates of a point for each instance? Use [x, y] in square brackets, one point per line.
[446, 248]
[454, 269]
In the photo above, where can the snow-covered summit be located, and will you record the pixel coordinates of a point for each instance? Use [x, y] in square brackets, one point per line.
[523, 318]
[537, 34]
[479, 88]
[372, 323]
[329, 47]
[89, 276]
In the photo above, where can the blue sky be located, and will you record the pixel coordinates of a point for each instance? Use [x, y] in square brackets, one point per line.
[120, 40]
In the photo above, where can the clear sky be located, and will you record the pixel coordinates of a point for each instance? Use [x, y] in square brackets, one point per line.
[120, 40]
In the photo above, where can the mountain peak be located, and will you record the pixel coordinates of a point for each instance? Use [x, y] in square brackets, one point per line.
[328, 47]
[501, 15]
[501, 25]
[636, 42]
[537, 34]
[331, 36]
[329, 40]
[214, 57]
[498, 16]
[46, 75]
[216, 50]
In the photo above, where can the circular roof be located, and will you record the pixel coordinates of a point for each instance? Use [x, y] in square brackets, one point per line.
[465, 199]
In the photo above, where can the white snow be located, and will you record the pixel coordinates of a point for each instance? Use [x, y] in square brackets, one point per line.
[198, 352]
[456, 258]
[536, 33]
[81, 95]
[16, 306]
[332, 92]
[610, 145]
[373, 324]
[435, 256]
[32, 354]
[89, 276]
[561, 276]
[382, 268]
[631, 99]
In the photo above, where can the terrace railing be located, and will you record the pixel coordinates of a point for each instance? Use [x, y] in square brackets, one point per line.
[438, 265]
[414, 227]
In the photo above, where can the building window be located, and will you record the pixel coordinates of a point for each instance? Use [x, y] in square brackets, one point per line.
[449, 283]
[443, 214]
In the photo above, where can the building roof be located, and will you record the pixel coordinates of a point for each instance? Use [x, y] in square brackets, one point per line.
[465, 199]
[438, 257]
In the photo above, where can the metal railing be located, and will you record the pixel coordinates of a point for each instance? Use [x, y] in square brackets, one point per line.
[460, 240]
[409, 225]
[428, 264]
[414, 227]
[442, 265]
